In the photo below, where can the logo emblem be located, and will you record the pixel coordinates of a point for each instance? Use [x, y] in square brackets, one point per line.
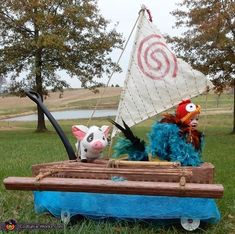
[10, 225]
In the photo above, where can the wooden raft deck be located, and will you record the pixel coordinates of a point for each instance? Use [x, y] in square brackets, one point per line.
[121, 177]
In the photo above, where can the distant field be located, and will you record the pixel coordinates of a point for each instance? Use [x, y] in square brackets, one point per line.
[70, 99]
[11, 106]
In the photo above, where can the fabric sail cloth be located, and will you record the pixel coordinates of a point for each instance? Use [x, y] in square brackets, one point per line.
[136, 207]
[156, 79]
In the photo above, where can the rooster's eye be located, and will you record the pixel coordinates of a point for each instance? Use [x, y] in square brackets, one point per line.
[190, 107]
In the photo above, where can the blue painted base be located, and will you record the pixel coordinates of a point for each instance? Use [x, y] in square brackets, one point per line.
[126, 206]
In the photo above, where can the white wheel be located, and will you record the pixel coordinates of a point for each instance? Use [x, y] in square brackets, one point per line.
[190, 224]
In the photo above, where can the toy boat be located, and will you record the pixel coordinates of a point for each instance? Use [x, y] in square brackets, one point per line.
[107, 188]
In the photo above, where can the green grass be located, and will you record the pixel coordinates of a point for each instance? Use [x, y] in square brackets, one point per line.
[225, 100]
[20, 147]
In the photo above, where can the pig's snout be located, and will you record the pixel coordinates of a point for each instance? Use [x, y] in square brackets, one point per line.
[97, 145]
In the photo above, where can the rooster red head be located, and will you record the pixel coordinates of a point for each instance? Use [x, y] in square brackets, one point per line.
[186, 110]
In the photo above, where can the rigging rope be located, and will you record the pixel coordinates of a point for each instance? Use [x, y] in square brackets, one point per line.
[102, 94]
[206, 115]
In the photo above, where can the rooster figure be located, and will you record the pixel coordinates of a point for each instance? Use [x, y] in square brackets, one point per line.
[174, 138]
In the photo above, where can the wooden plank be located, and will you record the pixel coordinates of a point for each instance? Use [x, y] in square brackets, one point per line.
[112, 187]
[98, 169]
[161, 175]
[71, 163]
[144, 172]
[204, 173]
[119, 163]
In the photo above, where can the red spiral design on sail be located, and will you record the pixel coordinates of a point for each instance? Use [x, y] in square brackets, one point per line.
[155, 60]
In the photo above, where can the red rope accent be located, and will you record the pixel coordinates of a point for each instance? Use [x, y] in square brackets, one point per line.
[150, 16]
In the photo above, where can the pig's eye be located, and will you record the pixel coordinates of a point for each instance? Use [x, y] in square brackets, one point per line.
[90, 137]
[104, 138]
[190, 107]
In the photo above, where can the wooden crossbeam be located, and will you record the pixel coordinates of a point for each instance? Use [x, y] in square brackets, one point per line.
[115, 187]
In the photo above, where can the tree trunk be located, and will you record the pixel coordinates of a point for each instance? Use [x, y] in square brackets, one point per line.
[41, 127]
[233, 132]
[217, 100]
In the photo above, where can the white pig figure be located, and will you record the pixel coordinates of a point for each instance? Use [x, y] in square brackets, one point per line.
[90, 141]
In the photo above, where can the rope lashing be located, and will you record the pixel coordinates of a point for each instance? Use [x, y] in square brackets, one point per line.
[150, 16]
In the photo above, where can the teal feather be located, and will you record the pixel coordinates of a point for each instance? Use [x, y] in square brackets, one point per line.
[125, 146]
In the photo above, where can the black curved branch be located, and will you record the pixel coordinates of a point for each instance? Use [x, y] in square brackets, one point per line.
[35, 97]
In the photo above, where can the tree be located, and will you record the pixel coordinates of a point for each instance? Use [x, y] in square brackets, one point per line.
[2, 81]
[2, 84]
[208, 43]
[38, 38]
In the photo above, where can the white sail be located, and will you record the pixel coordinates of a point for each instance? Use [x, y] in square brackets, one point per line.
[156, 80]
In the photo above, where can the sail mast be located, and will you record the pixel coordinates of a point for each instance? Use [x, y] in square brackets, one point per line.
[131, 60]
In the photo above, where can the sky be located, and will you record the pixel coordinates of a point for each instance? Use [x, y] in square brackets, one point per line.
[125, 12]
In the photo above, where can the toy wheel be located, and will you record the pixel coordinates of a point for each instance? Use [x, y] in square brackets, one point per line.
[190, 224]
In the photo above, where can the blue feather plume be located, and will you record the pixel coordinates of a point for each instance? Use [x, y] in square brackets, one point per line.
[167, 144]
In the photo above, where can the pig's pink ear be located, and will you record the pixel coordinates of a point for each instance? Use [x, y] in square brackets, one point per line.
[79, 131]
[105, 129]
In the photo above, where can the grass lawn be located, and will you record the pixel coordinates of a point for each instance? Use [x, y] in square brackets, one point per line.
[20, 147]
